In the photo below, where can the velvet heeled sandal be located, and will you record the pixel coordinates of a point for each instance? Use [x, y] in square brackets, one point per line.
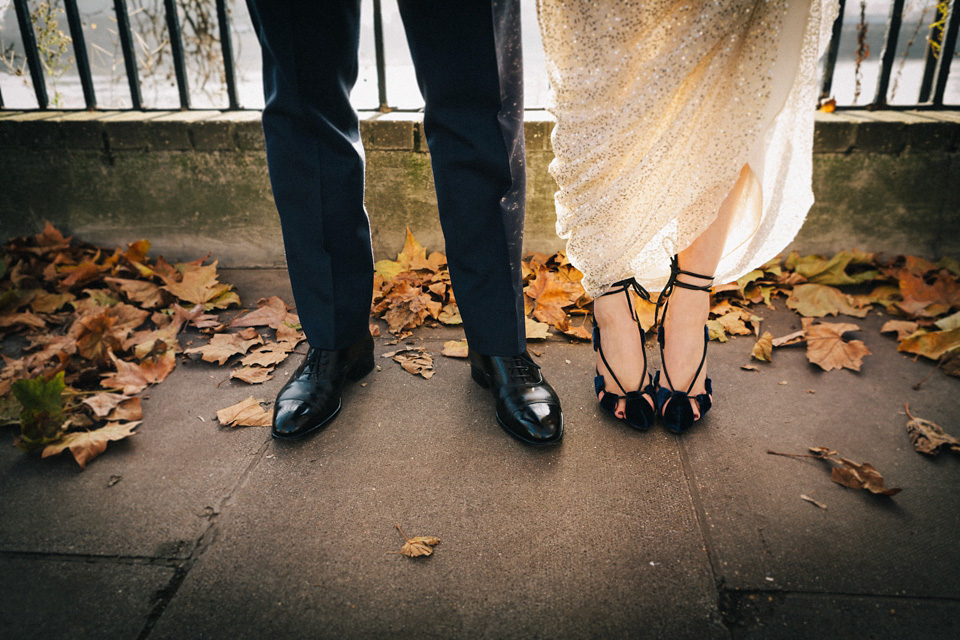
[674, 406]
[639, 413]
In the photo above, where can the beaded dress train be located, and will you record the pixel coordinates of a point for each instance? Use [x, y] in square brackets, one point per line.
[659, 105]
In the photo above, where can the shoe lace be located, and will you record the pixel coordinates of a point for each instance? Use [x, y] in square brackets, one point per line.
[314, 362]
[522, 370]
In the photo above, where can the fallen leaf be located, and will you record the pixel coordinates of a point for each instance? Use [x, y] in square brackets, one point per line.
[417, 546]
[103, 403]
[252, 375]
[146, 294]
[87, 445]
[763, 349]
[847, 472]
[931, 344]
[455, 349]
[817, 301]
[223, 346]
[797, 337]
[921, 298]
[902, 328]
[133, 378]
[928, 437]
[199, 285]
[536, 330]
[41, 415]
[827, 348]
[750, 367]
[247, 413]
[415, 361]
[949, 323]
[550, 295]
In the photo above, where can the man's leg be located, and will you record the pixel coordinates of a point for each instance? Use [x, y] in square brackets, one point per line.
[316, 162]
[316, 169]
[468, 60]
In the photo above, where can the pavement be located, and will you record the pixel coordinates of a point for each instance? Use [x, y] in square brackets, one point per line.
[190, 530]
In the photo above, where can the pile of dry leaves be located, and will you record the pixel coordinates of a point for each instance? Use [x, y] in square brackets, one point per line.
[86, 331]
[93, 329]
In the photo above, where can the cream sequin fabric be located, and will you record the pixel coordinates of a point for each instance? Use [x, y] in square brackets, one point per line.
[659, 105]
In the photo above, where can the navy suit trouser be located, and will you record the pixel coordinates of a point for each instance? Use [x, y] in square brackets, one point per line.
[467, 55]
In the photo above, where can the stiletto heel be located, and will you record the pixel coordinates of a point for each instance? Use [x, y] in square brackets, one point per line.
[638, 412]
[674, 406]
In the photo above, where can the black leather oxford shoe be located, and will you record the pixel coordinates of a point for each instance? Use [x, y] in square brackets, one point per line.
[311, 398]
[527, 406]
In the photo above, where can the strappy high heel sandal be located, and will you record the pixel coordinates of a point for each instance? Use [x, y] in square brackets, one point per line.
[674, 406]
[639, 413]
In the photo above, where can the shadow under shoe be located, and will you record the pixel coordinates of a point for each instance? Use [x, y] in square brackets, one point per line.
[313, 395]
[527, 406]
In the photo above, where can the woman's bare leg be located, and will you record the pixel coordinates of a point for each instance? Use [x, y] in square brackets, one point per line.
[689, 309]
[687, 312]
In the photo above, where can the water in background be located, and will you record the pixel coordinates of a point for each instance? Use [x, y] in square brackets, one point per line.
[208, 90]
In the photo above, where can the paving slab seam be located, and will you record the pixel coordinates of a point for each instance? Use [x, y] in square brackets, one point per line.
[204, 542]
[742, 609]
[701, 517]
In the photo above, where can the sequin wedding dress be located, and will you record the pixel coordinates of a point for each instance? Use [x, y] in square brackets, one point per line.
[659, 105]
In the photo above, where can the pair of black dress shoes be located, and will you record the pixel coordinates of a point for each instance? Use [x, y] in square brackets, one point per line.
[527, 407]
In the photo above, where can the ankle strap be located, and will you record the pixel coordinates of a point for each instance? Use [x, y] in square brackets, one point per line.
[624, 286]
[674, 282]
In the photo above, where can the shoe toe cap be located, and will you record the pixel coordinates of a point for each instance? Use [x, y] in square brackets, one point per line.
[292, 419]
[539, 422]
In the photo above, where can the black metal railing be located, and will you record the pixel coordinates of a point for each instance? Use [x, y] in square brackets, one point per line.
[940, 51]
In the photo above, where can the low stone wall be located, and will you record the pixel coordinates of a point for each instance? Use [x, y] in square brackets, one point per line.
[196, 182]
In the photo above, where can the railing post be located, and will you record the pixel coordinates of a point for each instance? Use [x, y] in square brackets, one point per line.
[889, 54]
[946, 54]
[176, 45]
[378, 47]
[833, 49]
[80, 53]
[129, 55]
[30, 50]
[227, 47]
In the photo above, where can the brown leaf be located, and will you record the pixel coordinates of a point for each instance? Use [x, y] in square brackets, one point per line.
[415, 361]
[450, 314]
[271, 312]
[252, 375]
[804, 496]
[860, 476]
[455, 349]
[928, 299]
[134, 378]
[269, 355]
[103, 403]
[25, 319]
[578, 332]
[928, 437]
[932, 344]
[797, 337]
[827, 348]
[44, 302]
[763, 349]
[248, 413]
[87, 445]
[817, 301]
[146, 294]
[96, 337]
[223, 346]
[536, 330]
[417, 546]
[199, 285]
[903, 328]
[550, 295]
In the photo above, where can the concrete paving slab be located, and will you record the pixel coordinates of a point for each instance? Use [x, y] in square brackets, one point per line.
[582, 540]
[50, 598]
[763, 536]
[814, 616]
[173, 474]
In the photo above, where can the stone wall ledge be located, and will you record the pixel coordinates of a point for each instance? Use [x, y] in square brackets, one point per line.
[844, 131]
[196, 182]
